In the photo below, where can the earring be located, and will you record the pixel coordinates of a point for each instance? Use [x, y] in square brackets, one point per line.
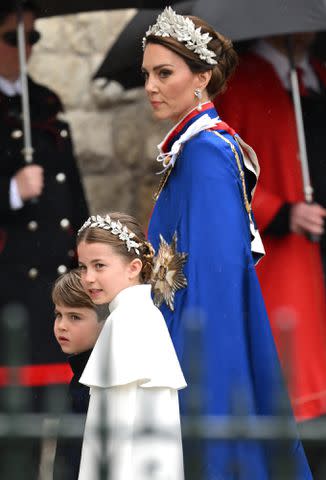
[198, 95]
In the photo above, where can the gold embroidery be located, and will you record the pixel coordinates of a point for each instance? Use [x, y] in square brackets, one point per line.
[241, 172]
[162, 183]
[168, 277]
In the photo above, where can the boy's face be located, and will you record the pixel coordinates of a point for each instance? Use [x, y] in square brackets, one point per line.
[76, 329]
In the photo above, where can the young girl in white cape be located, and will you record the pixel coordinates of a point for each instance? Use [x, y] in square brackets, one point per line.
[133, 372]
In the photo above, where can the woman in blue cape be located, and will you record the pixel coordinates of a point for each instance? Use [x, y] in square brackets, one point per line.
[207, 245]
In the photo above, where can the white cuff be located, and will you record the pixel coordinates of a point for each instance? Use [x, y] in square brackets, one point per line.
[15, 199]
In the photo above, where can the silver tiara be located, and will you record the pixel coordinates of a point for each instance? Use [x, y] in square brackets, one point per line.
[183, 29]
[114, 227]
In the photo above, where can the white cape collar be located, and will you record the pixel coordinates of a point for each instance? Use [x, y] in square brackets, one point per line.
[129, 295]
[168, 159]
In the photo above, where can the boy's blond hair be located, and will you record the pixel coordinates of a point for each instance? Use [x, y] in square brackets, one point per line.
[68, 291]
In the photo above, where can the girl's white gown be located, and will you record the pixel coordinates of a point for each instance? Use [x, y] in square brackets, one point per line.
[134, 377]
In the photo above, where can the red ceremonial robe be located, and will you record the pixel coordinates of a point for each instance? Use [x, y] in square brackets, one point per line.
[261, 111]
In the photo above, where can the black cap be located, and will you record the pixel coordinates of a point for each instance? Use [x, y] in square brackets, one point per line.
[8, 7]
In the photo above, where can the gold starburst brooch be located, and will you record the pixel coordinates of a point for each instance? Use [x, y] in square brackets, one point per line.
[167, 276]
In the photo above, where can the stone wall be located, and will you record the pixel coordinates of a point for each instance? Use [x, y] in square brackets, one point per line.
[115, 136]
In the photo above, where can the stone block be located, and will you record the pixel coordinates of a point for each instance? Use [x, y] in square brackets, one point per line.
[156, 132]
[134, 127]
[106, 93]
[67, 74]
[102, 28]
[128, 134]
[92, 136]
[54, 38]
[144, 202]
[110, 192]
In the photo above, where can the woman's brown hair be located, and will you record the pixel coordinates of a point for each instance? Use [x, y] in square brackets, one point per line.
[146, 251]
[226, 57]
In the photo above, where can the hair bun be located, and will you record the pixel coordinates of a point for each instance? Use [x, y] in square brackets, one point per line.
[148, 251]
[148, 254]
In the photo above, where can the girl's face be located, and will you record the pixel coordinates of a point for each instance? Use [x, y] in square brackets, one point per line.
[104, 273]
[169, 83]
[76, 329]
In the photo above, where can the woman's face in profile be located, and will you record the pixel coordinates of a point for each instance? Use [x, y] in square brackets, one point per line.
[169, 83]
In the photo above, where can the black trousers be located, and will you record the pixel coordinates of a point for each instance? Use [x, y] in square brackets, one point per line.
[316, 451]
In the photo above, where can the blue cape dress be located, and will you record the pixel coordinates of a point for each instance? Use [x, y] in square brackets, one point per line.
[205, 275]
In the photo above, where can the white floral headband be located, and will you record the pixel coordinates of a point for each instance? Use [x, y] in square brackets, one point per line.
[114, 227]
[183, 29]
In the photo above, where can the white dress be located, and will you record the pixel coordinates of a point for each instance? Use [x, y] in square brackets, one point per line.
[134, 377]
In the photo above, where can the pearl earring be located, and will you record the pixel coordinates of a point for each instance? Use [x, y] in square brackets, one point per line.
[198, 95]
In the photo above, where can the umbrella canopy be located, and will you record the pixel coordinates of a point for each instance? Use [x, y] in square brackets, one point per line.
[49, 8]
[123, 61]
[239, 20]
[245, 19]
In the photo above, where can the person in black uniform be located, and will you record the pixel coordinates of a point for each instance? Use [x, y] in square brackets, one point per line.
[42, 204]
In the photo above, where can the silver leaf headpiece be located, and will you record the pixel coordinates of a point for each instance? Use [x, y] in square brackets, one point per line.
[113, 226]
[183, 29]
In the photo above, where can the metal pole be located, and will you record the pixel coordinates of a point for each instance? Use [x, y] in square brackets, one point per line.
[307, 187]
[308, 190]
[28, 149]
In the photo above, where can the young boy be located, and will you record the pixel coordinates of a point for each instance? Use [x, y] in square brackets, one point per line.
[78, 323]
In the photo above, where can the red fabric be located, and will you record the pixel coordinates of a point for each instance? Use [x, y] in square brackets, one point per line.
[261, 111]
[224, 127]
[181, 125]
[36, 375]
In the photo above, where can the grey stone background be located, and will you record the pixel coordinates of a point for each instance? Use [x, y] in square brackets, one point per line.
[114, 133]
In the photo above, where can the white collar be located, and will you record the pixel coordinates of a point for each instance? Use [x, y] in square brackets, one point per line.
[134, 346]
[10, 88]
[281, 64]
[168, 159]
[179, 123]
[130, 295]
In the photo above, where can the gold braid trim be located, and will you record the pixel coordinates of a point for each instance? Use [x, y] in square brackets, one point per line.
[241, 172]
[162, 183]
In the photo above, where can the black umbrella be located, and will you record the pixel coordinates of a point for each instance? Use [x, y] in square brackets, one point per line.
[49, 8]
[244, 19]
[123, 61]
[238, 20]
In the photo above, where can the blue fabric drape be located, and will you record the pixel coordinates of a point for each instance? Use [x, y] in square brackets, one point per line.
[202, 202]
